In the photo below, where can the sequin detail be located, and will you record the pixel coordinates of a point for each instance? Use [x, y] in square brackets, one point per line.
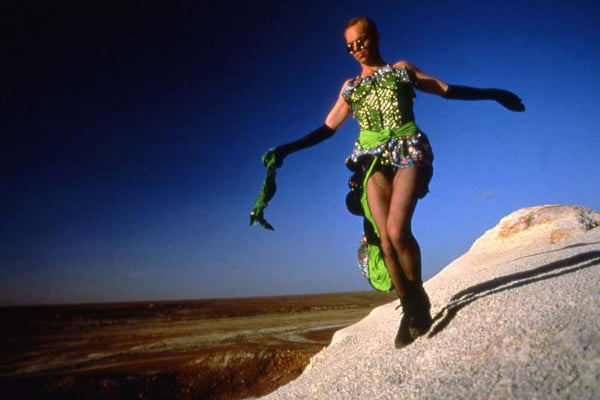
[400, 152]
[363, 257]
[382, 100]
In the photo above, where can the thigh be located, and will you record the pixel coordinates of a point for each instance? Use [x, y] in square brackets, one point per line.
[405, 195]
[379, 189]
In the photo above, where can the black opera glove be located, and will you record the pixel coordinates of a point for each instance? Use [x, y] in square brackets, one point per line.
[509, 100]
[272, 160]
[315, 137]
[506, 98]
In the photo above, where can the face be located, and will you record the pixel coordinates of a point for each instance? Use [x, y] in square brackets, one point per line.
[360, 44]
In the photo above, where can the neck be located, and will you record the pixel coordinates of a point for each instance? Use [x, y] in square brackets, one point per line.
[372, 65]
[368, 69]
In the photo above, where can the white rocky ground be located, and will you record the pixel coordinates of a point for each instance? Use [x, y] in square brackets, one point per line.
[517, 316]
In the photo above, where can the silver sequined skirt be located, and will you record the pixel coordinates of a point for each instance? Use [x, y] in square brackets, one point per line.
[399, 152]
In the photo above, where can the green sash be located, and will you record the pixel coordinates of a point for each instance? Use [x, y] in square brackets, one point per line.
[368, 139]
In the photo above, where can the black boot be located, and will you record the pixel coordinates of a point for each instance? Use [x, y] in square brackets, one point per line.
[421, 321]
[416, 316]
[404, 336]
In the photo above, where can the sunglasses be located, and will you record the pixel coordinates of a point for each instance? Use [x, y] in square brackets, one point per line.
[360, 43]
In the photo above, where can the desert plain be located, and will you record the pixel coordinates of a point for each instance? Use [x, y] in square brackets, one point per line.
[192, 349]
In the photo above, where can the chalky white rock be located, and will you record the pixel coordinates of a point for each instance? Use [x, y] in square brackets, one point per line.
[517, 316]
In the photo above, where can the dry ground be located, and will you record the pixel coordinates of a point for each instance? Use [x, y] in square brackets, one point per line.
[203, 349]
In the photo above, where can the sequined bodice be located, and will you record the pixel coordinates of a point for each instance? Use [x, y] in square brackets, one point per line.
[382, 100]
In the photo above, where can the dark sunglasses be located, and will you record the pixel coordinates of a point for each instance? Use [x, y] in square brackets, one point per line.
[360, 43]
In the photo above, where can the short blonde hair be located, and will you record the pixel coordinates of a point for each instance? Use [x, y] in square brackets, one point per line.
[371, 27]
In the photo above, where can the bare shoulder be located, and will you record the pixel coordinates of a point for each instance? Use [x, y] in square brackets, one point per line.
[422, 80]
[405, 64]
[341, 109]
[345, 85]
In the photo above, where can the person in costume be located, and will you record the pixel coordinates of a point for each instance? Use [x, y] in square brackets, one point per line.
[392, 162]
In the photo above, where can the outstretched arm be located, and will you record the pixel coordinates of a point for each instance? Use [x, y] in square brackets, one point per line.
[430, 84]
[336, 117]
[273, 158]
[504, 97]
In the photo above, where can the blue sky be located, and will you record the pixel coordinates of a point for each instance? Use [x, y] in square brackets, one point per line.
[132, 134]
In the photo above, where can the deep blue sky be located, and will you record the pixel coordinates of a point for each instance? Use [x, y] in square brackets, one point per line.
[132, 133]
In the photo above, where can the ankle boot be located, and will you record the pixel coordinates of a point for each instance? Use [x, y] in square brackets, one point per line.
[421, 321]
[416, 316]
[404, 336]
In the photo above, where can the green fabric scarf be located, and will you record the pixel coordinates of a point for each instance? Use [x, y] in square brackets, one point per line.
[267, 191]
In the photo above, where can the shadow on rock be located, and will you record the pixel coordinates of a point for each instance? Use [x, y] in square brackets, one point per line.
[465, 297]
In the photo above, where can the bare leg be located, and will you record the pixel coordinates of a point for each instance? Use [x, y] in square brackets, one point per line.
[379, 195]
[392, 202]
[399, 222]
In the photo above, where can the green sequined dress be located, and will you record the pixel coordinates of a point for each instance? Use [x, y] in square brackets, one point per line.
[389, 138]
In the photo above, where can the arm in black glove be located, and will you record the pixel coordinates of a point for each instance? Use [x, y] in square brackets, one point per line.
[504, 97]
[272, 160]
[315, 137]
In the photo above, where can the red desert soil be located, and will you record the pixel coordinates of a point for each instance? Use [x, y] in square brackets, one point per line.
[197, 349]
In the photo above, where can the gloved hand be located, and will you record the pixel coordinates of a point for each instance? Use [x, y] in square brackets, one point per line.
[507, 99]
[272, 160]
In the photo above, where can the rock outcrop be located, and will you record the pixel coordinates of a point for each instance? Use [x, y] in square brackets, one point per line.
[517, 316]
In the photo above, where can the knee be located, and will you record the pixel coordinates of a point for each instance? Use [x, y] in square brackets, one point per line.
[387, 247]
[399, 237]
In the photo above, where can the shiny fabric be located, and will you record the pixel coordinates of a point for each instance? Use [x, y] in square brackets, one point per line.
[400, 148]
[389, 139]
[383, 100]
